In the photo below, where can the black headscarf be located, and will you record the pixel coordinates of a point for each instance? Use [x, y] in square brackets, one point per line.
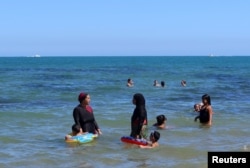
[140, 112]
[140, 100]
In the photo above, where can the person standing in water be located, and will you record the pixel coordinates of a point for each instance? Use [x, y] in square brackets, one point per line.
[139, 119]
[206, 111]
[84, 116]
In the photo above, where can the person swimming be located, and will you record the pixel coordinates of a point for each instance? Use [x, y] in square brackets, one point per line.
[162, 84]
[76, 130]
[156, 83]
[153, 140]
[130, 82]
[161, 121]
[183, 83]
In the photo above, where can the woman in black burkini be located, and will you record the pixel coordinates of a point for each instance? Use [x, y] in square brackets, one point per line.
[84, 116]
[139, 118]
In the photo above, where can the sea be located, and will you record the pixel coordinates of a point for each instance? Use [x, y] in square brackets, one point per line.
[38, 95]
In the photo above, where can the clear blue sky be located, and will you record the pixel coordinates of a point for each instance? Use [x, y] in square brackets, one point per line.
[128, 27]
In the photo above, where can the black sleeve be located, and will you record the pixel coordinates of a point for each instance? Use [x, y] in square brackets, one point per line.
[96, 125]
[142, 117]
[195, 119]
[76, 116]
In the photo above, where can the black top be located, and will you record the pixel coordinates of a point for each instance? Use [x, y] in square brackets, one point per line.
[85, 118]
[204, 115]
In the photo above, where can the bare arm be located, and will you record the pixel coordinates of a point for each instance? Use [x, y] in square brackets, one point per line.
[145, 147]
[195, 119]
[210, 112]
[150, 145]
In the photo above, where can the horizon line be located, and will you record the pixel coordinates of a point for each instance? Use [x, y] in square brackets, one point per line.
[129, 56]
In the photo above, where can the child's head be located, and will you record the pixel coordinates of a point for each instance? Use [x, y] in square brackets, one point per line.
[155, 136]
[76, 128]
[197, 107]
[161, 119]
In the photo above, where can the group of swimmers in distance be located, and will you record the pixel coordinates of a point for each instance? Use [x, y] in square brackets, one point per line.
[85, 121]
[130, 83]
[157, 84]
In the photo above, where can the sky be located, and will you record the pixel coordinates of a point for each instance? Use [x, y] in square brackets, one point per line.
[125, 28]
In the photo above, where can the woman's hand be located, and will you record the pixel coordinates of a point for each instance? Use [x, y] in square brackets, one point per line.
[99, 132]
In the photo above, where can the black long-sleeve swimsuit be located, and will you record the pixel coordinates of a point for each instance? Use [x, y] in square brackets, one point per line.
[85, 119]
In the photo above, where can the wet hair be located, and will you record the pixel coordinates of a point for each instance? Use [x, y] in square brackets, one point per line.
[206, 97]
[129, 79]
[139, 99]
[156, 135]
[76, 128]
[162, 83]
[82, 96]
[196, 105]
[160, 119]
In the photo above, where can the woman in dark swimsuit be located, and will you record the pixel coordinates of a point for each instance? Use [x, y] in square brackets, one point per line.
[139, 118]
[206, 111]
[84, 116]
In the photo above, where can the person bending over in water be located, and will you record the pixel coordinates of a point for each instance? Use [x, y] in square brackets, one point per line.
[206, 111]
[139, 119]
[154, 137]
[76, 130]
[161, 122]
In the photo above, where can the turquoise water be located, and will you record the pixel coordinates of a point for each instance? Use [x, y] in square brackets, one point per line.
[39, 94]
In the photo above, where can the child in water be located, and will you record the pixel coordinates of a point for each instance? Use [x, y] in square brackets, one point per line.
[154, 137]
[161, 122]
[76, 130]
[197, 107]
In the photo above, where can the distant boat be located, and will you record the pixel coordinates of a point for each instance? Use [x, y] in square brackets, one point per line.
[37, 55]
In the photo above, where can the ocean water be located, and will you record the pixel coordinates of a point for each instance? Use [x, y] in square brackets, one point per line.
[38, 96]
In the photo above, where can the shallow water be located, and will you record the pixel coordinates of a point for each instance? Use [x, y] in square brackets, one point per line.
[39, 94]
